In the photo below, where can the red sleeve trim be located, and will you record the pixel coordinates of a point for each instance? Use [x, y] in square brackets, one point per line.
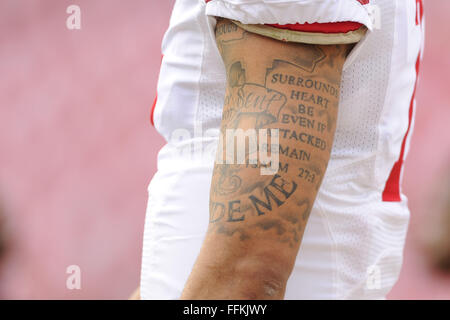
[360, 1]
[330, 27]
[363, 2]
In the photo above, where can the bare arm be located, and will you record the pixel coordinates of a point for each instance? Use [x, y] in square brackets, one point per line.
[257, 221]
[136, 295]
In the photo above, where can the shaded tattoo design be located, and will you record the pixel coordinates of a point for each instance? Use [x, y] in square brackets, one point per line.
[295, 90]
[227, 182]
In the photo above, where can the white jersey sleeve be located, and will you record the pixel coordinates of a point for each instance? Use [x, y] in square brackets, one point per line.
[353, 242]
[290, 11]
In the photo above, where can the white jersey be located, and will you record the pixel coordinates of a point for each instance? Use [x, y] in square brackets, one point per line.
[353, 243]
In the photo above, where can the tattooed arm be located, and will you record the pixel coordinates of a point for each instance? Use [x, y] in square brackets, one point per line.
[285, 95]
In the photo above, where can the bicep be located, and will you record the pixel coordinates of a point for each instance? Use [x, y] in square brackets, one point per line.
[277, 129]
[287, 94]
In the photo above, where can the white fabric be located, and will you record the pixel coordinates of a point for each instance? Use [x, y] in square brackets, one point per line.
[352, 246]
[289, 11]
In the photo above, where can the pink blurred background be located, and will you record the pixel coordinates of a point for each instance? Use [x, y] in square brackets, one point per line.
[77, 150]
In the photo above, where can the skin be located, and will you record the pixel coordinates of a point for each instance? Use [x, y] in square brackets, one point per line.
[136, 295]
[257, 221]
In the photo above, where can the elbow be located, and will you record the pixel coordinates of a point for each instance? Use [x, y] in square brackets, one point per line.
[260, 277]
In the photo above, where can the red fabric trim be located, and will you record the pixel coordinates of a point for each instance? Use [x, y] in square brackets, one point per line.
[330, 27]
[360, 1]
[152, 110]
[419, 12]
[392, 188]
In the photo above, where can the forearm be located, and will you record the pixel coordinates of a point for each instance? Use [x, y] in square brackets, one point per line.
[257, 220]
[136, 295]
[236, 279]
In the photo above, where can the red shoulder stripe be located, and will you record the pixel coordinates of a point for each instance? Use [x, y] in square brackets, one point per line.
[391, 190]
